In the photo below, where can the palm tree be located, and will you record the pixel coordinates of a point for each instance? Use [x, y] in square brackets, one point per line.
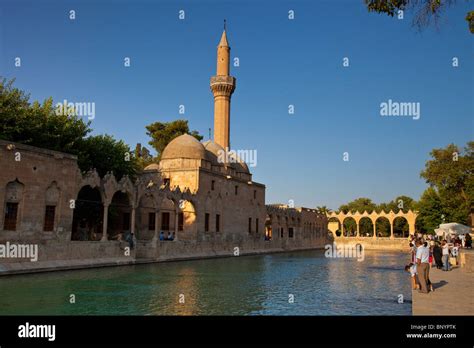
[323, 210]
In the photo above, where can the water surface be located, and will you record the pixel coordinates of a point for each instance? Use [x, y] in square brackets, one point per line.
[247, 285]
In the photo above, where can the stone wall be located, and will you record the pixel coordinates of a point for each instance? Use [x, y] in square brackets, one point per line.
[380, 243]
[34, 178]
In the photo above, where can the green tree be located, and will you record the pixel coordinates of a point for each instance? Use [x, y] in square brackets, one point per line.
[106, 154]
[430, 211]
[323, 210]
[425, 11]
[143, 156]
[40, 125]
[162, 133]
[37, 124]
[451, 173]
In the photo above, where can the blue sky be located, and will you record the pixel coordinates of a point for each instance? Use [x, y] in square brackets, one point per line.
[282, 62]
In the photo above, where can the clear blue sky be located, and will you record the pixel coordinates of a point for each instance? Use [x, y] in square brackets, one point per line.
[282, 62]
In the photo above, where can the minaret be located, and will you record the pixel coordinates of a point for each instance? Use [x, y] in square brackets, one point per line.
[222, 86]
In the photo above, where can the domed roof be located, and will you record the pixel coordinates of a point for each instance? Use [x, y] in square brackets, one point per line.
[213, 152]
[184, 146]
[153, 166]
[239, 165]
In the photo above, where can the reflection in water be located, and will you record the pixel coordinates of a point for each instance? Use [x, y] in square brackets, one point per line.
[250, 285]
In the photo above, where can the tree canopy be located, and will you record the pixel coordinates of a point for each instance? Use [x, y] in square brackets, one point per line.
[162, 133]
[449, 197]
[425, 11]
[39, 125]
[450, 174]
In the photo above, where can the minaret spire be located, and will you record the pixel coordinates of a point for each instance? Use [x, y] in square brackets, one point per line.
[222, 86]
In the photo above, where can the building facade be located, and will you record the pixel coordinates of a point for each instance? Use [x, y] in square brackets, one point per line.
[194, 203]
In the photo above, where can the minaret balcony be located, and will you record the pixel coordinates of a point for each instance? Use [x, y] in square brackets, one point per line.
[222, 83]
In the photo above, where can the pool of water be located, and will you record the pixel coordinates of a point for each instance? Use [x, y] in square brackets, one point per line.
[247, 285]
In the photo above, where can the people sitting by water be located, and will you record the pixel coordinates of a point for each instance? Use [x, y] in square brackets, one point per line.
[411, 268]
[170, 236]
[129, 239]
[162, 236]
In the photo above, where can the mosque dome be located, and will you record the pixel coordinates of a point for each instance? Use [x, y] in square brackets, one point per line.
[184, 146]
[239, 165]
[153, 166]
[214, 151]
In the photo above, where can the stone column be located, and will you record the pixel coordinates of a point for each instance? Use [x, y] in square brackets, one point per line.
[375, 230]
[156, 234]
[132, 226]
[391, 230]
[357, 235]
[411, 229]
[176, 224]
[104, 223]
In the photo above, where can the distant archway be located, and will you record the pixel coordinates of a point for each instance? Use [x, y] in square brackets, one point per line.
[88, 215]
[334, 226]
[382, 227]
[187, 220]
[400, 227]
[366, 227]
[119, 218]
[349, 227]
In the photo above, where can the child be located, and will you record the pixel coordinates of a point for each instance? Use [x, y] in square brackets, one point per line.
[411, 268]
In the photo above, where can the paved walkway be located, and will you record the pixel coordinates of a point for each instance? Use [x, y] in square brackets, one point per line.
[453, 295]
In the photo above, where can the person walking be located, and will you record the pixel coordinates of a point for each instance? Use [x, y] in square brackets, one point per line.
[438, 256]
[445, 257]
[468, 241]
[423, 266]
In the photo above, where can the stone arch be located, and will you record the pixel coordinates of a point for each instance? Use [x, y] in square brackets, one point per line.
[401, 227]
[14, 192]
[335, 226]
[349, 226]
[120, 215]
[88, 214]
[366, 227]
[269, 227]
[168, 216]
[383, 220]
[52, 205]
[146, 217]
[382, 226]
[187, 220]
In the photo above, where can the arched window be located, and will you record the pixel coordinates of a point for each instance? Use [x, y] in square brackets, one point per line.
[52, 201]
[13, 196]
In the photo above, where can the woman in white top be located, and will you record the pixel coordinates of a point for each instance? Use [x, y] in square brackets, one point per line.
[445, 255]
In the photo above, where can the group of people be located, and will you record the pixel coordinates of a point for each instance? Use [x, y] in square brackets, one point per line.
[428, 251]
[168, 237]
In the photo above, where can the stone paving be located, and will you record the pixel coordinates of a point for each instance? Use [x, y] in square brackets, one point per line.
[453, 294]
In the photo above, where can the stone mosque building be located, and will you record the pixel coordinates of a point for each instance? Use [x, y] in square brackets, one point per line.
[207, 206]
